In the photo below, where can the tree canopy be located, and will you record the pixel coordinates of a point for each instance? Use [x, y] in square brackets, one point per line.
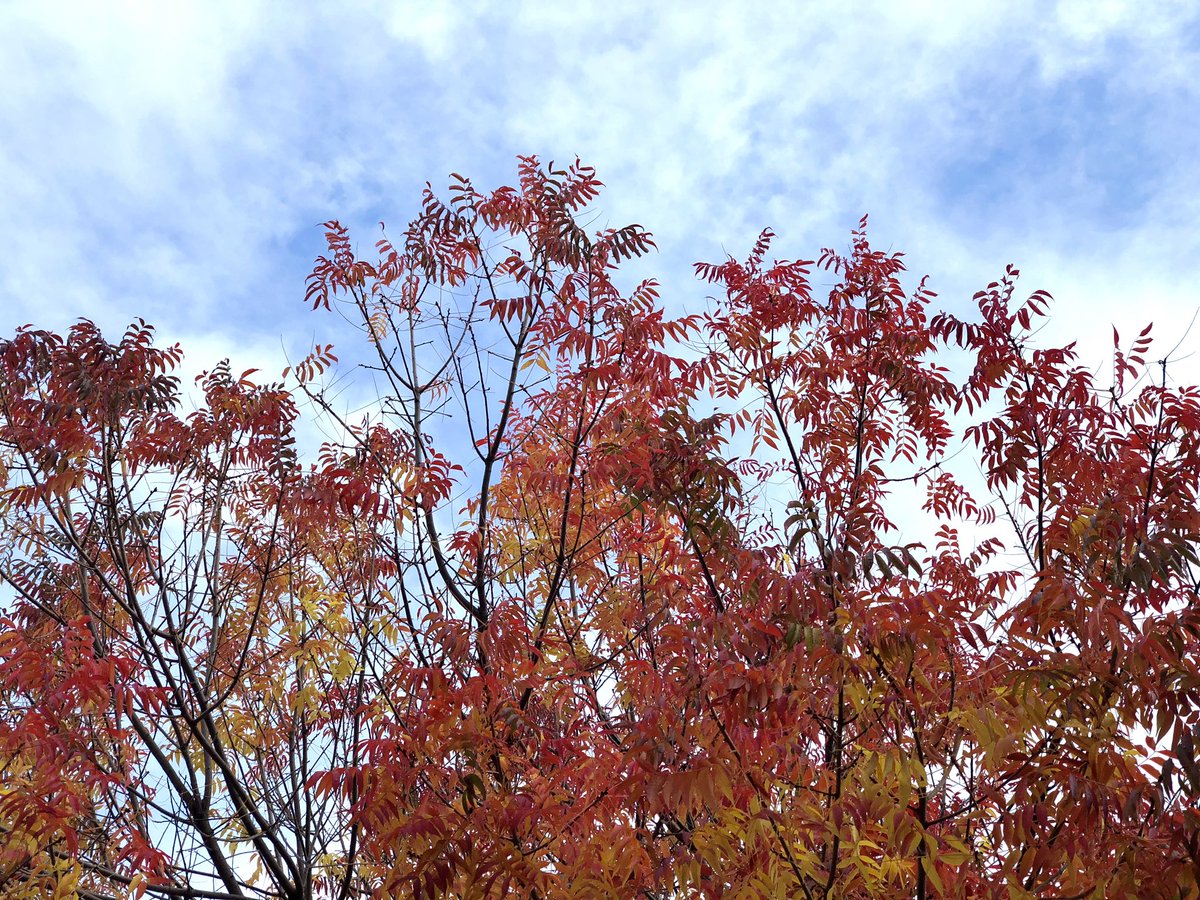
[912, 612]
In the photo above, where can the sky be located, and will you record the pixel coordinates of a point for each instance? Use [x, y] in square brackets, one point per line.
[173, 161]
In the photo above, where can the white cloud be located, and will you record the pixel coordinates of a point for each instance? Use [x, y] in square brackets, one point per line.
[171, 160]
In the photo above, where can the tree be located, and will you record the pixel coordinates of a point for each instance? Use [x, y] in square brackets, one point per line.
[533, 627]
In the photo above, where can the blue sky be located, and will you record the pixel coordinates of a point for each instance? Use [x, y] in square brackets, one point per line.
[172, 160]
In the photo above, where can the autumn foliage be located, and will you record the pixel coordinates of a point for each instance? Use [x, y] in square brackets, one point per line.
[813, 593]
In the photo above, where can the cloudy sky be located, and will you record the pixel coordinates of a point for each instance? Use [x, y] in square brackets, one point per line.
[172, 161]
